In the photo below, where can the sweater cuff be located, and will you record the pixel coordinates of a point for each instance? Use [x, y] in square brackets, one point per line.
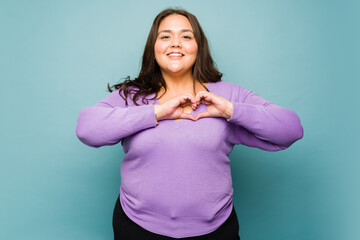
[143, 117]
[150, 113]
[236, 112]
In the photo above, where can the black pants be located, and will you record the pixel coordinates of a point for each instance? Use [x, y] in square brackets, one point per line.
[126, 229]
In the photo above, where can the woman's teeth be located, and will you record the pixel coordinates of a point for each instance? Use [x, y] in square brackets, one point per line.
[175, 54]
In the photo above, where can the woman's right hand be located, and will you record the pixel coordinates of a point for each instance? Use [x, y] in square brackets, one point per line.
[174, 108]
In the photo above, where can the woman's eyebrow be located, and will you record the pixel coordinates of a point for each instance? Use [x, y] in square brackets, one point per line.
[169, 31]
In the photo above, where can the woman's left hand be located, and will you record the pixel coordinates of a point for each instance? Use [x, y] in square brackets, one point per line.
[216, 106]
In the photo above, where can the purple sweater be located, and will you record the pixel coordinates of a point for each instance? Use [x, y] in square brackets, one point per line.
[175, 176]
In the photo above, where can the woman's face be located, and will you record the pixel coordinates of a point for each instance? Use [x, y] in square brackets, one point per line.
[175, 47]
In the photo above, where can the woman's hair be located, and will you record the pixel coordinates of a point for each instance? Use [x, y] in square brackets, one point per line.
[150, 79]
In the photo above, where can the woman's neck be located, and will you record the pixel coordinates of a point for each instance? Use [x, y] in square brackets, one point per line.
[179, 83]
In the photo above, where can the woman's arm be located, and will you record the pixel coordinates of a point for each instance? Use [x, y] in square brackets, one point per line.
[109, 120]
[260, 123]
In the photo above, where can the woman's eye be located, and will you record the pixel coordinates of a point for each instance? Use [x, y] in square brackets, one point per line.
[164, 37]
[187, 37]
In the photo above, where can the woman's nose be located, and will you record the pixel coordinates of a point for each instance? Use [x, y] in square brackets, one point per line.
[175, 42]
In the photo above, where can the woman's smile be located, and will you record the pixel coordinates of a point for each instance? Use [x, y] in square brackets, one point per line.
[174, 55]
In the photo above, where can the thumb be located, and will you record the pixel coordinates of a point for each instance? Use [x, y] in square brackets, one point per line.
[188, 116]
[202, 115]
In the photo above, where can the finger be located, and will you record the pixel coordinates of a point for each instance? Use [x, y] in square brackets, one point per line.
[192, 97]
[206, 100]
[186, 103]
[188, 116]
[203, 95]
[211, 98]
[202, 115]
[192, 101]
[188, 99]
[199, 99]
[198, 96]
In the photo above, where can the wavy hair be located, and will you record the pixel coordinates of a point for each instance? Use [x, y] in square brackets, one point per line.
[150, 79]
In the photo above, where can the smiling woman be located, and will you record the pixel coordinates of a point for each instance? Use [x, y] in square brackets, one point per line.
[151, 80]
[175, 176]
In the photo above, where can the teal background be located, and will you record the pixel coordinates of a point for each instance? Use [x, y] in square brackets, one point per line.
[56, 57]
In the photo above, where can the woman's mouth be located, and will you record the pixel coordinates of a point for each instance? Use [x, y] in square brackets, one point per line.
[175, 55]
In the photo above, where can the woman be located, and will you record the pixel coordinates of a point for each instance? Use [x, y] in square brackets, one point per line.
[175, 176]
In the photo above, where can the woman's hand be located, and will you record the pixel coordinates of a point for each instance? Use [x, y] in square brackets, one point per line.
[216, 106]
[173, 108]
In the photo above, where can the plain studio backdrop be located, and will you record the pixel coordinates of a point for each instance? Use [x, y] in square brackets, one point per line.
[56, 57]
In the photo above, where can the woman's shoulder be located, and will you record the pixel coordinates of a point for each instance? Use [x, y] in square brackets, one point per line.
[228, 89]
[113, 99]
[226, 85]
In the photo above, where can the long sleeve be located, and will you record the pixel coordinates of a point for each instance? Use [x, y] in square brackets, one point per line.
[108, 121]
[260, 123]
[194, 157]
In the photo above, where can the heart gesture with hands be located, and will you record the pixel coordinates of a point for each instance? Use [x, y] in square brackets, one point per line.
[216, 106]
[174, 108]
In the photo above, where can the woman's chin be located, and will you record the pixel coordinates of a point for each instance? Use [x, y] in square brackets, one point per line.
[176, 70]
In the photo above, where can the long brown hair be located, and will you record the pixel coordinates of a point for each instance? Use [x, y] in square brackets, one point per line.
[150, 79]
